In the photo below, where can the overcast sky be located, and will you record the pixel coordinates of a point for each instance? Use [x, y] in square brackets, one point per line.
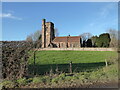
[23, 18]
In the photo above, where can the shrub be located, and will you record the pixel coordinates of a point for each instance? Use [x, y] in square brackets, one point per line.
[8, 84]
[59, 78]
[22, 81]
[42, 79]
[47, 79]
[55, 80]
[38, 80]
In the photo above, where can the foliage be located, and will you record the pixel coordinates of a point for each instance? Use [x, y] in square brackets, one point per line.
[105, 74]
[41, 79]
[22, 81]
[94, 39]
[102, 41]
[89, 43]
[38, 80]
[58, 78]
[8, 84]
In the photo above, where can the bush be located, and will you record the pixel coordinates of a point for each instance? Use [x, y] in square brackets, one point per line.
[59, 78]
[38, 80]
[22, 81]
[47, 79]
[8, 84]
[44, 79]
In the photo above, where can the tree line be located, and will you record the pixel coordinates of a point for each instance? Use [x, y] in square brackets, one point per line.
[103, 40]
[108, 39]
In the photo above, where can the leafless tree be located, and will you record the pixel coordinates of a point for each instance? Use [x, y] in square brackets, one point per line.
[114, 37]
[56, 32]
[34, 36]
[86, 36]
[29, 38]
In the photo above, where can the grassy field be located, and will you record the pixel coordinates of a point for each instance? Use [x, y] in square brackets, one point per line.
[81, 60]
[88, 70]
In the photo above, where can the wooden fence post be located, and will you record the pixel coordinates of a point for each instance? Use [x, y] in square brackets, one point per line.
[71, 67]
[106, 63]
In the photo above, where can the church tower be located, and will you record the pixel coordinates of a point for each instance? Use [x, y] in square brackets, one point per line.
[47, 33]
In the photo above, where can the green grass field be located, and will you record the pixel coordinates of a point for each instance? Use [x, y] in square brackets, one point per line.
[81, 60]
[88, 69]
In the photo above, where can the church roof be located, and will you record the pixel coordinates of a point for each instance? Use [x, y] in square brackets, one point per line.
[67, 39]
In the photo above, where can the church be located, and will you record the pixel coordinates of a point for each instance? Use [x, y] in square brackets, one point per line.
[50, 41]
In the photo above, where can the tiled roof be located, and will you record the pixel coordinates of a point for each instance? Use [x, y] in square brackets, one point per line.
[67, 39]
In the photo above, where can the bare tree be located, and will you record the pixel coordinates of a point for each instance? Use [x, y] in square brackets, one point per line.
[114, 37]
[35, 36]
[86, 36]
[56, 32]
[29, 38]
